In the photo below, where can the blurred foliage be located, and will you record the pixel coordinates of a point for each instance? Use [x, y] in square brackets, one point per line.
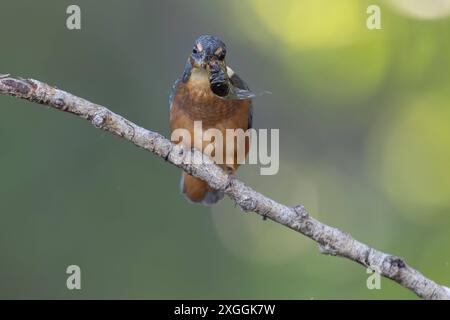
[364, 123]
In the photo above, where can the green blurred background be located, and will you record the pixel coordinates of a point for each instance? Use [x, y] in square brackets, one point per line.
[364, 123]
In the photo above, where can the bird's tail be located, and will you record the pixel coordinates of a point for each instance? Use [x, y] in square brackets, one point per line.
[198, 191]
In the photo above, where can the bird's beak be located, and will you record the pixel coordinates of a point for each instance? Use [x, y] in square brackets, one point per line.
[217, 74]
[198, 60]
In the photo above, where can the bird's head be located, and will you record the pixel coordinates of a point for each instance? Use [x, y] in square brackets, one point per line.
[208, 56]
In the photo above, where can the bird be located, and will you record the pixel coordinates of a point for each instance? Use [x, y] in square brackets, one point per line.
[211, 92]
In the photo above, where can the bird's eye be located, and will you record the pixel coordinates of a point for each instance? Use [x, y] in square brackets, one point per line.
[220, 53]
[195, 50]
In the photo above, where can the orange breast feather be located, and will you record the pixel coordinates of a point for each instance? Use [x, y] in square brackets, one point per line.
[191, 104]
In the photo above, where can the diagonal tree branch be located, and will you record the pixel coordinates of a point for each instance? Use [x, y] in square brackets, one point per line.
[331, 240]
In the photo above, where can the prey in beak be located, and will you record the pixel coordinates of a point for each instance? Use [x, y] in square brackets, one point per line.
[208, 58]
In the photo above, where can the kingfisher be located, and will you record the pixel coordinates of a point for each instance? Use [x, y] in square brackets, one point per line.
[211, 92]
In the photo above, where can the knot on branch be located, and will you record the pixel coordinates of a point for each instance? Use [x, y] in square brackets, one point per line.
[393, 265]
[99, 119]
[301, 212]
[367, 257]
[248, 204]
[230, 182]
[15, 86]
[180, 154]
[326, 248]
[59, 103]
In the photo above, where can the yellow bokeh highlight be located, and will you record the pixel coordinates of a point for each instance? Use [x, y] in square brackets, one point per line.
[312, 24]
[410, 155]
[342, 76]
[422, 9]
[324, 47]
